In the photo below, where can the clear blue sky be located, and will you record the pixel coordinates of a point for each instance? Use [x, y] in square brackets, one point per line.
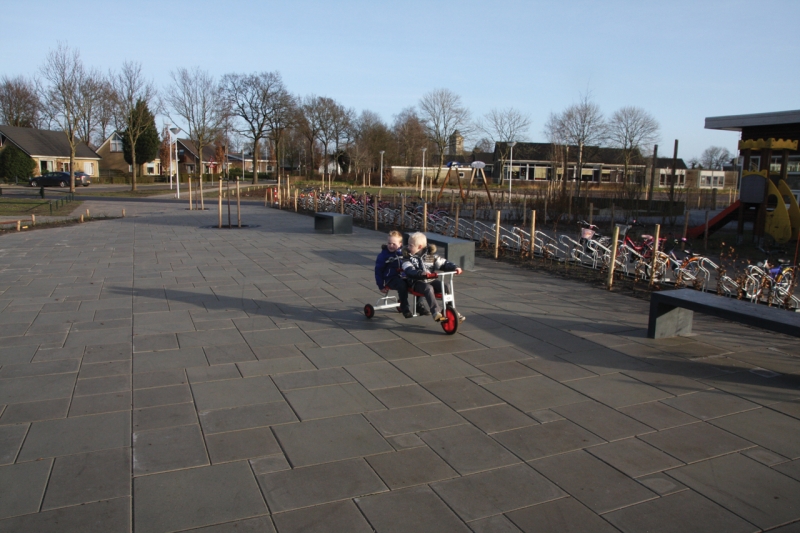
[680, 60]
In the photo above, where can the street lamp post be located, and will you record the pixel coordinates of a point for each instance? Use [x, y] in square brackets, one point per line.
[175, 131]
[422, 190]
[170, 164]
[510, 168]
[382, 151]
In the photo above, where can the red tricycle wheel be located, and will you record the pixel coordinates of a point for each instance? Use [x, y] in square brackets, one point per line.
[450, 326]
[369, 311]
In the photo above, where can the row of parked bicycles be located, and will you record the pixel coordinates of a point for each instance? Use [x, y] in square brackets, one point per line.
[768, 282]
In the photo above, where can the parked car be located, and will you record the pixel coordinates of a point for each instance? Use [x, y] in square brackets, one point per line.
[59, 179]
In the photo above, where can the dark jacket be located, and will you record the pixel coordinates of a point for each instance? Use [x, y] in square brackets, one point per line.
[387, 266]
[418, 266]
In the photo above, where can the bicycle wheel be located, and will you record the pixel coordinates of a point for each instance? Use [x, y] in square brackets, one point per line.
[369, 311]
[450, 326]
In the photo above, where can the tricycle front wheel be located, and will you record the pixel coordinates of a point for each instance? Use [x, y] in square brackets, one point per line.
[369, 311]
[450, 326]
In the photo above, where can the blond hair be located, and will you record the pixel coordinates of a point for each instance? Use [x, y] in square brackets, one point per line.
[396, 234]
[418, 239]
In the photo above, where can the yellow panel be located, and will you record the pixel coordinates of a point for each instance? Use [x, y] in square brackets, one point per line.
[794, 210]
[778, 223]
[773, 144]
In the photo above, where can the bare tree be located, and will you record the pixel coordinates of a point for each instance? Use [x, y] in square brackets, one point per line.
[134, 95]
[630, 129]
[582, 124]
[320, 113]
[19, 102]
[714, 157]
[281, 117]
[410, 133]
[195, 97]
[443, 113]
[105, 110]
[308, 123]
[554, 130]
[504, 126]
[64, 75]
[343, 131]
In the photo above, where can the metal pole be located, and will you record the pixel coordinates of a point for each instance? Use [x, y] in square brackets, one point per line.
[497, 235]
[382, 169]
[591, 212]
[228, 195]
[403, 212]
[170, 160]
[705, 234]
[655, 255]
[202, 200]
[613, 264]
[375, 210]
[533, 232]
[190, 195]
[219, 203]
[685, 228]
[425, 217]
[422, 186]
[238, 205]
[177, 170]
[455, 229]
[510, 168]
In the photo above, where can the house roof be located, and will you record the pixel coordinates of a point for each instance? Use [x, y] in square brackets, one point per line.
[467, 158]
[666, 162]
[45, 143]
[738, 122]
[209, 151]
[524, 151]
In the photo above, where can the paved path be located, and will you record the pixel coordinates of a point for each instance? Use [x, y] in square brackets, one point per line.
[157, 376]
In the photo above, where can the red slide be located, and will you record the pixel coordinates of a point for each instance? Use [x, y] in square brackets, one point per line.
[715, 223]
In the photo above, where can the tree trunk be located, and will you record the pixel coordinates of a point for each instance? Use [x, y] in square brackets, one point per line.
[72, 164]
[255, 160]
[133, 166]
[579, 169]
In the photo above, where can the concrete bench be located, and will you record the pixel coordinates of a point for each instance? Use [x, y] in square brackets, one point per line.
[334, 223]
[671, 313]
[458, 251]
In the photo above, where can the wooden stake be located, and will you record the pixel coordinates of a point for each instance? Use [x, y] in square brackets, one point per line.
[655, 255]
[497, 235]
[613, 264]
[685, 228]
[123, 213]
[375, 210]
[238, 205]
[19, 224]
[402, 212]
[191, 207]
[425, 217]
[705, 234]
[219, 202]
[591, 212]
[533, 232]
[455, 229]
[33, 220]
[202, 200]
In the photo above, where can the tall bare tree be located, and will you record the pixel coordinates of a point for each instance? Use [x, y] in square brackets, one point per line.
[19, 102]
[320, 115]
[410, 133]
[582, 125]
[308, 124]
[443, 113]
[195, 97]
[134, 95]
[630, 129]
[714, 157]
[281, 117]
[64, 75]
[106, 110]
[504, 126]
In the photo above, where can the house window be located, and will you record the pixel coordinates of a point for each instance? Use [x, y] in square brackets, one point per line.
[151, 170]
[116, 144]
[666, 174]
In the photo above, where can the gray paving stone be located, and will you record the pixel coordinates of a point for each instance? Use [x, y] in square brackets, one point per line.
[667, 381]
[161, 378]
[461, 393]
[168, 360]
[497, 491]
[62, 366]
[633, 457]
[11, 438]
[94, 337]
[765, 457]
[262, 524]
[276, 352]
[164, 416]
[53, 438]
[496, 418]
[436, 368]
[312, 378]
[229, 353]
[494, 524]
[508, 370]
[565, 515]
[414, 418]
[328, 518]
[747, 488]
[677, 513]
[275, 366]
[108, 352]
[100, 403]
[545, 416]
[544, 440]
[99, 370]
[101, 517]
[272, 463]
[603, 421]
[17, 355]
[592, 482]
[89, 477]
[331, 400]
[412, 510]
[319, 484]
[378, 375]
[662, 484]
[46, 353]
[396, 349]
[36, 388]
[196, 497]
[22, 487]
[238, 445]
[696, 442]
[35, 411]
[335, 356]
[85, 387]
[618, 390]
[404, 396]
[658, 415]
[165, 449]
[234, 393]
[329, 439]
[276, 337]
[412, 466]
[246, 417]
[154, 396]
[155, 342]
[761, 390]
[710, 404]
[534, 393]
[467, 449]
[200, 374]
[766, 428]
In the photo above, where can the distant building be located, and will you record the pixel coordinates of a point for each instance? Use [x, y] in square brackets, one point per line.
[50, 150]
[113, 160]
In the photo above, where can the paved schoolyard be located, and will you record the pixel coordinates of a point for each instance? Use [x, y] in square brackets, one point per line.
[157, 376]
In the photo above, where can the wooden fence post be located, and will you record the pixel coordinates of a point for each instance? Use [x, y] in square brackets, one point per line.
[613, 263]
[497, 234]
[655, 255]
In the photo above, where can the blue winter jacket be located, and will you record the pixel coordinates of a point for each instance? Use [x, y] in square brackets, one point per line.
[388, 266]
